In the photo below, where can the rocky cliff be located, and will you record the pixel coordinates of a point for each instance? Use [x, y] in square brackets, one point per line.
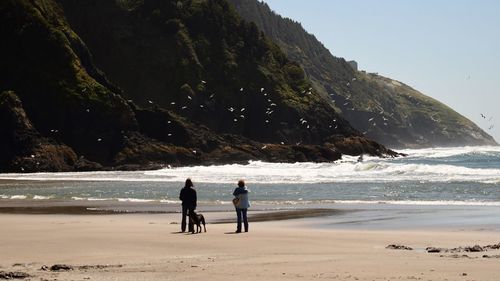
[192, 84]
[199, 60]
[383, 109]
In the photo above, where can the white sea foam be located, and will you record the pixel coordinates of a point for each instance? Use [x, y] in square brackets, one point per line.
[442, 152]
[135, 200]
[40, 197]
[169, 201]
[347, 170]
[132, 200]
[369, 171]
[22, 197]
[98, 199]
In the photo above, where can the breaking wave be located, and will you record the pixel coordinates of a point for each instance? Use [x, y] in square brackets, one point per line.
[426, 165]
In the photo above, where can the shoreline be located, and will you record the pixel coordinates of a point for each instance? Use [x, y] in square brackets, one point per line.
[316, 216]
[222, 214]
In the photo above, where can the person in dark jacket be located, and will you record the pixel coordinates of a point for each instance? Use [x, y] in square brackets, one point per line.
[241, 204]
[188, 198]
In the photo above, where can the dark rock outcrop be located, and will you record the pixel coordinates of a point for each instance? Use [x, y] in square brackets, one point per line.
[61, 267]
[13, 275]
[23, 149]
[399, 247]
[469, 249]
[43, 62]
[434, 250]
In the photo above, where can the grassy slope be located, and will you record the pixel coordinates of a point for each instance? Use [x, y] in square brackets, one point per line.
[408, 118]
[193, 57]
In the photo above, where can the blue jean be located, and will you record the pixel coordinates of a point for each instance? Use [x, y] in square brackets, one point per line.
[242, 214]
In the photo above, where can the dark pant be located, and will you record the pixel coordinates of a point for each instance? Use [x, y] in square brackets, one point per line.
[186, 210]
[242, 214]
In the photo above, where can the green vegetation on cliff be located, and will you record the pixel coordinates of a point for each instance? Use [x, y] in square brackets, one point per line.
[200, 60]
[386, 110]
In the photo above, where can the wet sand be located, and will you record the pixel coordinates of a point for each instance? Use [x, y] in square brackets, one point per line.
[219, 214]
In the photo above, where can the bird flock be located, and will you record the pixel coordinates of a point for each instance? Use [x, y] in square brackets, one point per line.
[238, 114]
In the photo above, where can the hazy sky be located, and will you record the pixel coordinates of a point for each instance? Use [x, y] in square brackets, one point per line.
[447, 49]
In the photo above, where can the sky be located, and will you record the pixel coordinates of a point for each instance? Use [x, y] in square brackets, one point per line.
[447, 49]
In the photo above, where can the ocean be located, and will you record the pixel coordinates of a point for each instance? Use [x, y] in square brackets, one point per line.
[440, 176]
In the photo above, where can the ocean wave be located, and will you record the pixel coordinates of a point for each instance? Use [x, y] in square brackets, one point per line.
[165, 201]
[277, 203]
[41, 197]
[135, 200]
[447, 152]
[129, 200]
[380, 171]
[307, 173]
[347, 170]
[20, 197]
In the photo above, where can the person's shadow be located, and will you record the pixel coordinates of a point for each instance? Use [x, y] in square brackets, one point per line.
[232, 232]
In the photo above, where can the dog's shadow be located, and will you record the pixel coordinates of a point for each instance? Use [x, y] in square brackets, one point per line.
[185, 232]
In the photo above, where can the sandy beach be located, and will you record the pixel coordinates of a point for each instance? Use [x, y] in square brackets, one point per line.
[149, 247]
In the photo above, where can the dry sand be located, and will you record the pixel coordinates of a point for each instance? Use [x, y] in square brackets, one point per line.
[148, 247]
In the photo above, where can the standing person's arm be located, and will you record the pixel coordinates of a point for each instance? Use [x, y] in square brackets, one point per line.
[195, 198]
[181, 195]
[235, 192]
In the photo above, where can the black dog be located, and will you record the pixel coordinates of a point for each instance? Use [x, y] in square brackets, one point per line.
[197, 219]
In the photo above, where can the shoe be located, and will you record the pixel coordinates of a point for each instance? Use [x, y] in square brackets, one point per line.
[237, 231]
